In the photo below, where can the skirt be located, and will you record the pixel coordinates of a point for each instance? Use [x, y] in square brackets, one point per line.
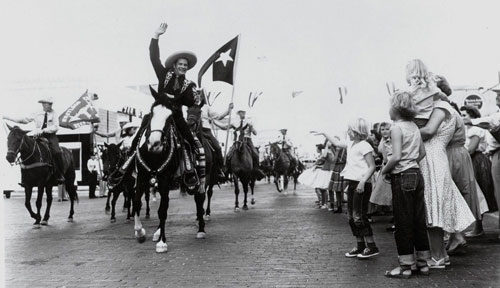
[482, 171]
[337, 182]
[382, 192]
[316, 178]
[462, 173]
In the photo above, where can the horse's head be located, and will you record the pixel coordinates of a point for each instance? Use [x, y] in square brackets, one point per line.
[159, 116]
[194, 117]
[112, 156]
[274, 149]
[14, 142]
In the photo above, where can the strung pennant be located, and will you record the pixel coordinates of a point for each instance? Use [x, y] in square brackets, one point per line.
[341, 96]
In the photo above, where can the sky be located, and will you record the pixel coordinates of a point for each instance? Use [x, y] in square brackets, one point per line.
[286, 46]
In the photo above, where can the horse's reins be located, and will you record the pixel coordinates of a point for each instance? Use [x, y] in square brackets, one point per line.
[19, 161]
[141, 161]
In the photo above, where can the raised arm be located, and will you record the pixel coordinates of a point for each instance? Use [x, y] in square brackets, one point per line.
[437, 117]
[20, 120]
[154, 51]
[334, 140]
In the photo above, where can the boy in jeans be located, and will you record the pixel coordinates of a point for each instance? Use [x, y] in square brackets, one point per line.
[407, 188]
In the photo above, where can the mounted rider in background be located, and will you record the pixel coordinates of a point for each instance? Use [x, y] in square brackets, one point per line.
[246, 129]
[47, 124]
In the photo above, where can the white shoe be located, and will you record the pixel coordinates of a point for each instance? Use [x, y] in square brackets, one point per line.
[436, 264]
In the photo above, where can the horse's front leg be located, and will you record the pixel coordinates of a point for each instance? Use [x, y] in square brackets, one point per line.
[147, 193]
[108, 208]
[39, 198]
[48, 191]
[128, 194]
[199, 199]
[236, 192]
[245, 192]
[140, 233]
[116, 194]
[28, 191]
[161, 246]
[210, 192]
[252, 187]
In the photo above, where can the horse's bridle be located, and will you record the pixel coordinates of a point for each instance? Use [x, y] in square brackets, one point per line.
[19, 160]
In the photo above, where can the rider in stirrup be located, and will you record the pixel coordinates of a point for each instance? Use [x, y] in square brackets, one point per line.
[287, 147]
[246, 130]
[47, 124]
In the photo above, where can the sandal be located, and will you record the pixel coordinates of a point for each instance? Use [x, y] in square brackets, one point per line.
[399, 272]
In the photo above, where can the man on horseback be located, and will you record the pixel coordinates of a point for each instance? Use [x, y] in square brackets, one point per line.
[246, 130]
[209, 119]
[47, 124]
[287, 147]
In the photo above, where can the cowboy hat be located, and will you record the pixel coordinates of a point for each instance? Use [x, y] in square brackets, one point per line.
[46, 99]
[188, 55]
[241, 111]
[283, 131]
[132, 124]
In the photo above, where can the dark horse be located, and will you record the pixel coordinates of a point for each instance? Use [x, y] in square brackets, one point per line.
[157, 161]
[36, 171]
[242, 170]
[113, 158]
[194, 122]
[282, 167]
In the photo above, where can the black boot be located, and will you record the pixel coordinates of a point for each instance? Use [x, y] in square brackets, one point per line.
[58, 168]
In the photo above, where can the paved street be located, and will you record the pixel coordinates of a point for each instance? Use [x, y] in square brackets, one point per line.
[282, 241]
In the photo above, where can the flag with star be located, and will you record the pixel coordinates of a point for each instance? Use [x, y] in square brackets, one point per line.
[223, 62]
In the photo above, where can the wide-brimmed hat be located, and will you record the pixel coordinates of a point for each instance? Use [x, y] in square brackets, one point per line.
[132, 124]
[188, 55]
[283, 131]
[241, 111]
[46, 99]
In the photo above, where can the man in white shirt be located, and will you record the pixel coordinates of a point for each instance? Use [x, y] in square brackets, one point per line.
[489, 122]
[94, 169]
[209, 120]
[47, 124]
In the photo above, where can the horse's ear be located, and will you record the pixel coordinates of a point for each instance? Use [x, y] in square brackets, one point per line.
[119, 144]
[153, 92]
[10, 127]
[106, 145]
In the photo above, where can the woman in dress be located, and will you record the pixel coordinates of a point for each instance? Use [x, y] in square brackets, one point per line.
[445, 207]
[462, 174]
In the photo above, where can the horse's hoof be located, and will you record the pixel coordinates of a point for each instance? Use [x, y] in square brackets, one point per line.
[245, 207]
[156, 236]
[161, 247]
[36, 226]
[44, 222]
[70, 219]
[113, 220]
[201, 235]
[206, 217]
[236, 209]
[253, 202]
[147, 216]
[140, 235]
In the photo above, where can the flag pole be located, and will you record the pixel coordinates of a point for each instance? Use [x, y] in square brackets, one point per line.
[232, 94]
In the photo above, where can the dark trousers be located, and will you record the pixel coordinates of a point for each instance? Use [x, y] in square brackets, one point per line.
[207, 133]
[92, 184]
[408, 206]
[255, 153]
[183, 128]
[56, 151]
[357, 208]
